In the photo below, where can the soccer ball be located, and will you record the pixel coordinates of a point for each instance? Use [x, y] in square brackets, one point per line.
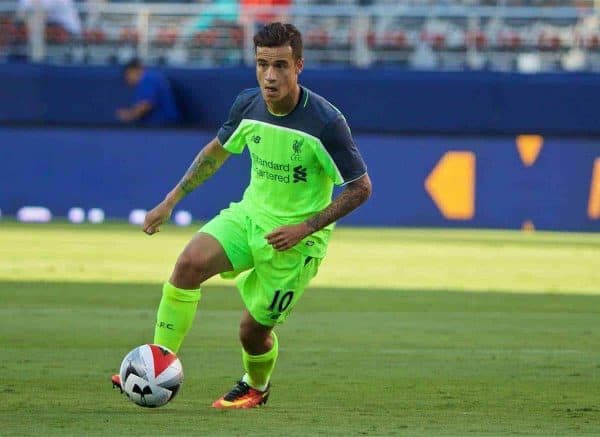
[151, 375]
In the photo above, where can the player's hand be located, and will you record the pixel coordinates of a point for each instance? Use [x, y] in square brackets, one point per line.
[286, 237]
[156, 217]
[124, 114]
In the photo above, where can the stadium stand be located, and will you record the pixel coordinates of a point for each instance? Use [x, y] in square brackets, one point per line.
[509, 35]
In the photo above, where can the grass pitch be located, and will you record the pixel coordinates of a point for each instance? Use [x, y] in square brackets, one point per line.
[383, 344]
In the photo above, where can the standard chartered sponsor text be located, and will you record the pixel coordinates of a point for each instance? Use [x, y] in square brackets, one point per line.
[267, 169]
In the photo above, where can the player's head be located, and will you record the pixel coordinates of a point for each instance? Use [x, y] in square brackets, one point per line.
[132, 71]
[278, 49]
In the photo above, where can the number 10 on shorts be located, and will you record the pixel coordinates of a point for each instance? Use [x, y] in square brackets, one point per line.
[281, 301]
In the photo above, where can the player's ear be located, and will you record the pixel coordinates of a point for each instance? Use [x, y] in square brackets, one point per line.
[299, 65]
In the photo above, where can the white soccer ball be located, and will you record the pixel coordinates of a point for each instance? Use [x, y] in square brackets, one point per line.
[151, 375]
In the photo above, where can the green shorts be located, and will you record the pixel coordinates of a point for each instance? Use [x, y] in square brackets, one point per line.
[270, 282]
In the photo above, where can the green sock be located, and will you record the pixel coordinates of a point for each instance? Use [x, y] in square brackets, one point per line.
[260, 367]
[175, 316]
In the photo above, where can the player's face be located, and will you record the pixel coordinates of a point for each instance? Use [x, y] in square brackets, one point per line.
[277, 73]
[132, 76]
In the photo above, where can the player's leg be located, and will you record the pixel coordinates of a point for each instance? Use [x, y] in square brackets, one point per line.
[259, 354]
[202, 258]
[220, 246]
[260, 349]
[256, 339]
[269, 291]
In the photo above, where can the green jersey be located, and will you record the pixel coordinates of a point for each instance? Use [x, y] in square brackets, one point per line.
[296, 160]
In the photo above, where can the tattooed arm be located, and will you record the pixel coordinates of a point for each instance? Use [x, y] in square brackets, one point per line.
[206, 163]
[355, 194]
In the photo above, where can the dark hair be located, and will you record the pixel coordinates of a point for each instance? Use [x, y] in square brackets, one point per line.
[280, 34]
[132, 63]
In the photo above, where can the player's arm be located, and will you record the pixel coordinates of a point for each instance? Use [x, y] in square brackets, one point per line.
[206, 163]
[350, 170]
[355, 194]
[136, 112]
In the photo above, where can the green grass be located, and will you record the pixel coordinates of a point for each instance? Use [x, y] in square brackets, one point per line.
[457, 260]
[356, 360]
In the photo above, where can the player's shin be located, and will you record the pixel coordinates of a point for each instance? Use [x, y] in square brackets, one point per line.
[260, 367]
[175, 316]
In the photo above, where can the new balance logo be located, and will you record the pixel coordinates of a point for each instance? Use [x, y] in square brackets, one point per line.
[299, 174]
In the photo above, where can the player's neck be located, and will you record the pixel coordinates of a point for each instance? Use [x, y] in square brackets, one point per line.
[287, 105]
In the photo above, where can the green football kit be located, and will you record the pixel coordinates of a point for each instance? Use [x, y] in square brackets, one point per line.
[296, 160]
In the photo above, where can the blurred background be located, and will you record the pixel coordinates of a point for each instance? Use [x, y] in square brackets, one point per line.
[470, 113]
[501, 35]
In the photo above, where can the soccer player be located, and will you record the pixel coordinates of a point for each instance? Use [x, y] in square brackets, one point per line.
[275, 238]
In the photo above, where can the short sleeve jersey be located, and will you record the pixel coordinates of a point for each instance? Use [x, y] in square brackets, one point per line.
[296, 160]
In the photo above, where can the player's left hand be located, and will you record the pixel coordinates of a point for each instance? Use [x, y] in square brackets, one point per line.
[124, 114]
[286, 237]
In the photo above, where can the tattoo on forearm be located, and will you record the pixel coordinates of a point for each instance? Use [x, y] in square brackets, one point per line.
[350, 199]
[202, 168]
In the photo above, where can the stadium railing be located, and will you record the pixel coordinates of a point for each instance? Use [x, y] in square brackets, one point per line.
[455, 36]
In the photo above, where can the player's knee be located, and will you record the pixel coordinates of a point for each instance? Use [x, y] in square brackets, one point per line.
[246, 337]
[254, 340]
[187, 264]
[189, 270]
